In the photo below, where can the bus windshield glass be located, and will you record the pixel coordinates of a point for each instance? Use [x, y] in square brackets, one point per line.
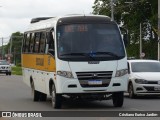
[85, 42]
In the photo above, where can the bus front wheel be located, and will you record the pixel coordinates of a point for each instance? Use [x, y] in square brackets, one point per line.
[56, 98]
[118, 99]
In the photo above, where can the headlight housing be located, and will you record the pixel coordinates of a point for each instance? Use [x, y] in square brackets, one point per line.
[141, 81]
[66, 74]
[121, 72]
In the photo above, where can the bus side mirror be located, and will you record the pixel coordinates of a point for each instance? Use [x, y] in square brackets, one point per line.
[124, 33]
[125, 39]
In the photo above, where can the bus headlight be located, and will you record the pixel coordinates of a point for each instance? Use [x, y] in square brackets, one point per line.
[66, 74]
[121, 72]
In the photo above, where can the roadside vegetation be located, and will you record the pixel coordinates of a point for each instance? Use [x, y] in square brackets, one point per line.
[17, 70]
[129, 14]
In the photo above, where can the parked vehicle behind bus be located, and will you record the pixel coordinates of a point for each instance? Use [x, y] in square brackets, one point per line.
[77, 56]
[5, 67]
[144, 78]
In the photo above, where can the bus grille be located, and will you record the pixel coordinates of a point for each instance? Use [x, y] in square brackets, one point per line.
[85, 77]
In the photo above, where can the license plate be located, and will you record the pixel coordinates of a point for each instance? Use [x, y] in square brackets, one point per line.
[95, 82]
[157, 88]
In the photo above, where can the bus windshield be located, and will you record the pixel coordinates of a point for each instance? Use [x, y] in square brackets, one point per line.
[87, 42]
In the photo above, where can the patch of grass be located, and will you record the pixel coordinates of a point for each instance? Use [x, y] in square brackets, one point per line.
[16, 70]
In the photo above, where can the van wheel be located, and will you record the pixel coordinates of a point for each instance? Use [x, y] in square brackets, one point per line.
[56, 98]
[6, 73]
[118, 99]
[9, 73]
[35, 94]
[131, 91]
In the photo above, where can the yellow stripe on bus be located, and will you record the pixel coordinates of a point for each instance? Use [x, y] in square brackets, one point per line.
[39, 62]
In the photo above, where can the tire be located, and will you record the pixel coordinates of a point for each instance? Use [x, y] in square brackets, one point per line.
[35, 94]
[42, 97]
[118, 99]
[10, 73]
[56, 98]
[131, 91]
[6, 73]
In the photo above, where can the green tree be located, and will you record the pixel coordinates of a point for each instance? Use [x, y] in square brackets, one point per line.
[130, 16]
[15, 43]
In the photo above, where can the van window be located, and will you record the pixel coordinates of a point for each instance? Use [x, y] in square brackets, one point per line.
[37, 39]
[27, 43]
[42, 42]
[50, 40]
[31, 48]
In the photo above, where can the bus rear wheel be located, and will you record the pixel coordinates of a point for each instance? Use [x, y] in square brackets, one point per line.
[42, 96]
[56, 98]
[118, 99]
[35, 94]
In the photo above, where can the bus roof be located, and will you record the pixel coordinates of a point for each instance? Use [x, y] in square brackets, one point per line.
[50, 22]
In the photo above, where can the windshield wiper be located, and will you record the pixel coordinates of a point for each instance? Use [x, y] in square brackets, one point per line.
[106, 53]
[78, 54]
[91, 55]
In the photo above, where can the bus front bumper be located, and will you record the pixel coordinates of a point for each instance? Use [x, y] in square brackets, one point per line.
[67, 86]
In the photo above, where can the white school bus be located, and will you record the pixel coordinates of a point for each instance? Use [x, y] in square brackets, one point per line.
[79, 56]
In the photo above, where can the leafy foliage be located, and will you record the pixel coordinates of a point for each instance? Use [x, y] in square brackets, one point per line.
[16, 39]
[16, 70]
[129, 14]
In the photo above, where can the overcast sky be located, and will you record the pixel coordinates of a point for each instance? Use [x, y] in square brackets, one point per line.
[15, 15]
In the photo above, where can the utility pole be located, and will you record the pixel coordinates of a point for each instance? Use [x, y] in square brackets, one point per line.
[158, 30]
[10, 50]
[2, 48]
[158, 36]
[158, 50]
[112, 10]
[14, 56]
[140, 42]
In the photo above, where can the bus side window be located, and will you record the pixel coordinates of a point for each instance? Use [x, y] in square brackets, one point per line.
[27, 43]
[50, 40]
[37, 38]
[42, 42]
[32, 43]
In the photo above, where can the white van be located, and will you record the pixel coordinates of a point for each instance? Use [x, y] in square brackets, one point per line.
[81, 56]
